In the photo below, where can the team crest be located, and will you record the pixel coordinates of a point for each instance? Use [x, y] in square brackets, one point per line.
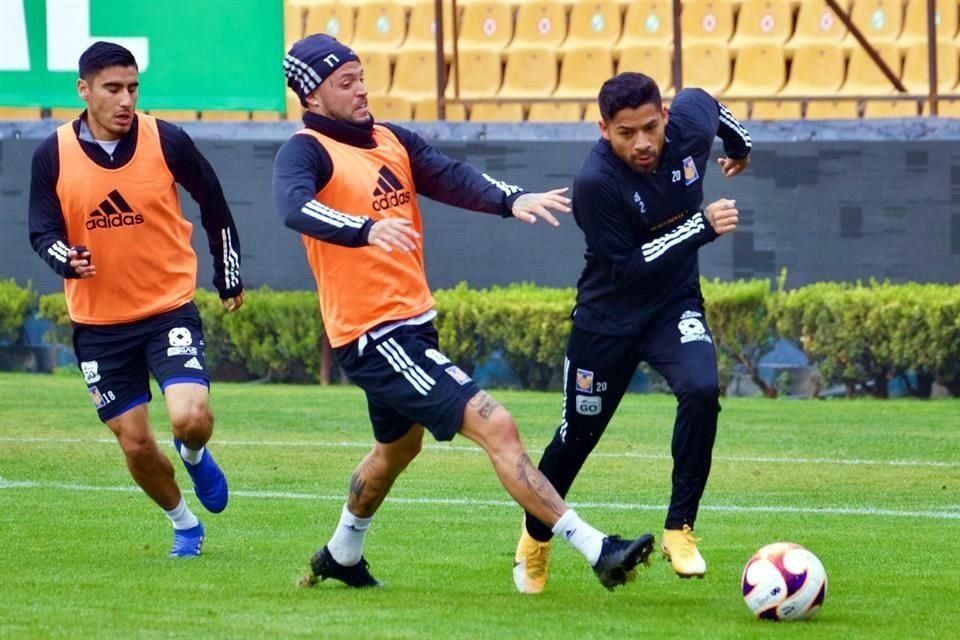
[457, 374]
[584, 381]
[690, 174]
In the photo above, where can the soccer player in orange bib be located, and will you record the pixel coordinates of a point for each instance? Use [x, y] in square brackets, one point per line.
[349, 186]
[106, 216]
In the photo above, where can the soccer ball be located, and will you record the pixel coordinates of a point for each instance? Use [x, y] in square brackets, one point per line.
[784, 581]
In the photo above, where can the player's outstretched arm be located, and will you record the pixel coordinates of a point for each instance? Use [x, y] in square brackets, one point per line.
[733, 166]
[531, 206]
[722, 215]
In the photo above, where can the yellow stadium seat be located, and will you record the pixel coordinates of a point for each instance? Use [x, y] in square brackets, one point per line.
[479, 75]
[706, 66]
[739, 108]
[759, 70]
[497, 112]
[333, 19]
[947, 108]
[20, 113]
[293, 18]
[864, 77]
[763, 22]
[707, 21]
[816, 24]
[486, 25]
[655, 62]
[415, 75]
[554, 112]
[833, 110]
[380, 26]
[294, 108]
[817, 69]
[916, 74]
[541, 25]
[173, 115]
[425, 110]
[915, 22]
[880, 22]
[265, 116]
[591, 112]
[376, 71]
[593, 23]
[776, 110]
[647, 23]
[421, 31]
[224, 115]
[583, 71]
[388, 108]
[530, 73]
[890, 109]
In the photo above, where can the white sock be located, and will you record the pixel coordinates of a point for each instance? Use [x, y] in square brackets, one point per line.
[346, 545]
[181, 516]
[581, 535]
[191, 456]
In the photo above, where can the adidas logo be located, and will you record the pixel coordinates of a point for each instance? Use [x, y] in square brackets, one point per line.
[193, 363]
[389, 191]
[113, 212]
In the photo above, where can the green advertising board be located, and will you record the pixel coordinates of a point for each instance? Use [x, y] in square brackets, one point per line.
[193, 54]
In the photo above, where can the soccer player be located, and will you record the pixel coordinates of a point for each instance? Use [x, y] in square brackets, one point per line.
[105, 215]
[638, 198]
[350, 187]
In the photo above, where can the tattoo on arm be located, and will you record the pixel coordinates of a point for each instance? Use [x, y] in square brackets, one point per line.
[539, 485]
[484, 403]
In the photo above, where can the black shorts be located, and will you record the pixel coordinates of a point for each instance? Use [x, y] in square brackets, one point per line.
[116, 359]
[408, 381]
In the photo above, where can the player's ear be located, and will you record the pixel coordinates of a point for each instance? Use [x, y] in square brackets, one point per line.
[83, 89]
[604, 129]
[666, 114]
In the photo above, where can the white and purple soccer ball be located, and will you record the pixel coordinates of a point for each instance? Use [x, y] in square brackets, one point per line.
[784, 581]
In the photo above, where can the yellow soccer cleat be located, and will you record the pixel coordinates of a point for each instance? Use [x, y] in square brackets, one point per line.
[530, 564]
[680, 548]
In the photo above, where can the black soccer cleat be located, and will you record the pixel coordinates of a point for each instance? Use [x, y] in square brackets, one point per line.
[618, 559]
[324, 566]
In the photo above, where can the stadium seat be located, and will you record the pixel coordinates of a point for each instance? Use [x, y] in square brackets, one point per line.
[294, 108]
[497, 112]
[880, 22]
[739, 108]
[540, 25]
[654, 61]
[593, 23]
[759, 70]
[816, 24]
[647, 23]
[763, 22]
[479, 74]
[376, 70]
[833, 110]
[529, 73]
[20, 113]
[414, 75]
[173, 115]
[583, 71]
[487, 26]
[706, 66]
[864, 77]
[890, 109]
[916, 74]
[591, 112]
[421, 31]
[389, 108]
[265, 116]
[293, 19]
[224, 115]
[334, 19]
[915, 22]
[554, 112]
[425, 110]
[947, 108]
[380, 26]
[816, 70]
[707, 21]
[776, 110]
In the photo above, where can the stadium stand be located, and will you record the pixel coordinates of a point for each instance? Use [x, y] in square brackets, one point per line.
[583, 71]
[541, 25]
[593, 24]
[380, 27]
[530, 73]
[706, 66]
[414, 75]
[486, 25]
[655, 61]
[880, 22]
[390, 107]
[479, 76]
[767, 22]
[554, 112]
[333, 18]
[816, 24]
[915, 22]
[425, 110]
[707, 22]
[497, 112]
[647, 23]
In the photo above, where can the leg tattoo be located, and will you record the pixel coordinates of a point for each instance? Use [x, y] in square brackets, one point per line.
[539, 486]
[484, 403]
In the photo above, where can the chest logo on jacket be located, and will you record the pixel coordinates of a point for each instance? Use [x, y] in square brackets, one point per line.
[113, 212]
[389, 191]
[690, 173]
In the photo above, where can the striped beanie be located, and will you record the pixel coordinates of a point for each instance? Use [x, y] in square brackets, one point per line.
[311, 61]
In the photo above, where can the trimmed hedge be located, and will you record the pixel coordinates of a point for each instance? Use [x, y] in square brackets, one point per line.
[15, 306]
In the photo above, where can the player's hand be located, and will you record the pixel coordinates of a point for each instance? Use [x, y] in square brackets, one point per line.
[731, 167]
[722, 216]
[531, 206]
[393, 233]
[234, 303]
[81, 260]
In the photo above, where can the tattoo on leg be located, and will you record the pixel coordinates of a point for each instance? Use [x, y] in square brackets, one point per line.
[357, 483]
[539, 486]
[484, 403]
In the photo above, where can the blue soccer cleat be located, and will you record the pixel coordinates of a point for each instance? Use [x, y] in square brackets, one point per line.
[187, 543]
[209, 483]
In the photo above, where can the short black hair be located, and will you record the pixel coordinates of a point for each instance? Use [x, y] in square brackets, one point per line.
[627, 90]
[101, 55]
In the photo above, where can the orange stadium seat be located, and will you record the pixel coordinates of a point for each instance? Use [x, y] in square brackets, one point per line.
[414, 75]
[497, 112]
[20, 113]
[583, 71]
[425, 109]
[915, 22]
[916, 73]
[763, 22]
[334, 19]
[486, 25]
[529, 73]
[376, 71]
[817, 24]
[390, 108]
[593, 23]
[380, 26]
[540, 24]
[880, 22]
[647, 23]
[707, 21]
[554, 112]
[655, 62]
[706, 66]
[421, 31]
[479, 75]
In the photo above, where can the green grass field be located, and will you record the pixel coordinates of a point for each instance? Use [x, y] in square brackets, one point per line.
[873, 488]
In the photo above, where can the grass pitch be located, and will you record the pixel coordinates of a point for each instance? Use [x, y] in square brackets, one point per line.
[871, 487]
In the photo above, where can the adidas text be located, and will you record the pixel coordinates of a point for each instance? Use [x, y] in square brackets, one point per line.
[391, 200]
[118, 220]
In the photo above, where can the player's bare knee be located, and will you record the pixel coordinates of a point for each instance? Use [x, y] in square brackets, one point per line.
[502, 433]
[193, 424]
[138, 447]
